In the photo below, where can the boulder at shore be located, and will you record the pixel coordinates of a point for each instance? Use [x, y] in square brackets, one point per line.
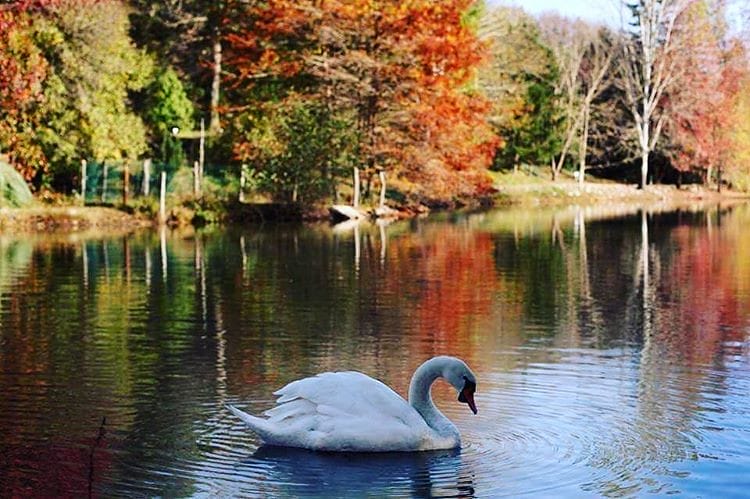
[14, 192]
[341, 212]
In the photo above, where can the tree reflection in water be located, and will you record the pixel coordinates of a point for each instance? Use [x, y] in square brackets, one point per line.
[611, 352]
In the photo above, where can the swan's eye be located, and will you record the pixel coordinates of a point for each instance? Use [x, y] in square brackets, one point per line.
[469, 385]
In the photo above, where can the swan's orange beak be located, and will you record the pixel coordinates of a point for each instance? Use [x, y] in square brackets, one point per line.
[467, 397]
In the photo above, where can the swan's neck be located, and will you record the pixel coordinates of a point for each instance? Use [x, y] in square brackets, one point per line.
[421, 400]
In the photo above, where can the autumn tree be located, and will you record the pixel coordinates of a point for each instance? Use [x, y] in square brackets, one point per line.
[79, 64]
[701, 107]
[22, 71]
[649, 68]
[519, 79]
[738, 166]
[166, 106]
[584, 55]
[187, 35]
[399, 72]
[93, 69]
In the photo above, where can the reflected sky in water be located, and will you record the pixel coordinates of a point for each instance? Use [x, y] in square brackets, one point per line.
[612, 350]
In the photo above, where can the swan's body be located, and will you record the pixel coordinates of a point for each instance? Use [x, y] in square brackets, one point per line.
[349, 411]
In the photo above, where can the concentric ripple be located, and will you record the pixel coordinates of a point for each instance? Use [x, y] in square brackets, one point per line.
[583, 426]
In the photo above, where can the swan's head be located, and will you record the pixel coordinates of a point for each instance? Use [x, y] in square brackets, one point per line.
[458, 374]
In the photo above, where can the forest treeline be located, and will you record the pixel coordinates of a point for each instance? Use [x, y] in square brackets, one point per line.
[435, 94]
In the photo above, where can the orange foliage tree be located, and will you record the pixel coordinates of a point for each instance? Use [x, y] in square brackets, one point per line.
[22, 70]
[399, 71]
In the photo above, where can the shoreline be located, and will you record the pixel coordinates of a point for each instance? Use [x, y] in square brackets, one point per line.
[55, 219]
[69, 219]
[571, 193]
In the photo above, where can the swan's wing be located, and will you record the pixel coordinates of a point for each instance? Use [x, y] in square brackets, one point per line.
[342, 394]
[345, 409]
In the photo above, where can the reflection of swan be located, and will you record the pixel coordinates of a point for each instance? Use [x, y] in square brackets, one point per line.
[349, 411]
[300, 472]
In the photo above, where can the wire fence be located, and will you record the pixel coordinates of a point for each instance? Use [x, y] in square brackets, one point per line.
[114, 183]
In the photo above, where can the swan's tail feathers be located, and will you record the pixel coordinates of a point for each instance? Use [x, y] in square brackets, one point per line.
[258, 425]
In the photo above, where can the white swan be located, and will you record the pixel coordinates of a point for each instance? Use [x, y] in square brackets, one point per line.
[349, 411]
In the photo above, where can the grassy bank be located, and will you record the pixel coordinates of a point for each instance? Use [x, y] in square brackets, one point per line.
[532, 189]
[528, 188]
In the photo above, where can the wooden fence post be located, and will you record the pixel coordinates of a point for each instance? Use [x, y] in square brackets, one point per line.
[355, 201]
[243, 180]
[146, 176]
[83, 182]
[125, 185]
[163, 198]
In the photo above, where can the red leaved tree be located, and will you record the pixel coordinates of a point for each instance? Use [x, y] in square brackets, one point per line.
[22, 70]
[701, 104]
[398, 70]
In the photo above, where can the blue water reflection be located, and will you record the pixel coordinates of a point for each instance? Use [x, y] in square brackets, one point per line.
[300, 473]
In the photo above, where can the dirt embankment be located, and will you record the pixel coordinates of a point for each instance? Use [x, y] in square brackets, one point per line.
[70, 218]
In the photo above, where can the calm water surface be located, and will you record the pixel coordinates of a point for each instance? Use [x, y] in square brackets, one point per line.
[613, 354]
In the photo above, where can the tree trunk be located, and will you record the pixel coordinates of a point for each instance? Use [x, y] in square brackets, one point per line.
[215, 124]
[583, 146]
[555, 171]
[644, 168]
[718, 179]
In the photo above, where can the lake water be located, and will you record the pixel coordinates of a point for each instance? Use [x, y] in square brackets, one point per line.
[612, 349]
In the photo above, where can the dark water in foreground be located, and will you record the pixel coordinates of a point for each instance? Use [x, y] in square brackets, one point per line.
[613, 354]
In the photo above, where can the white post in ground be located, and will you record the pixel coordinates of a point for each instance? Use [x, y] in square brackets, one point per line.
[83, 181]
[146, 176]
[243, 180]
[163, 198]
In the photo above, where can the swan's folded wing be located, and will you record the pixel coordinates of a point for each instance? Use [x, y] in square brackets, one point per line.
[342, 395]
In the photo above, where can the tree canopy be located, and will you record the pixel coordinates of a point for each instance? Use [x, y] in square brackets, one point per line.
[431, 93]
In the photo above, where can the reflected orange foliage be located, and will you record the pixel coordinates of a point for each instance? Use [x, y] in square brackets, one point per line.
[453, 285]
